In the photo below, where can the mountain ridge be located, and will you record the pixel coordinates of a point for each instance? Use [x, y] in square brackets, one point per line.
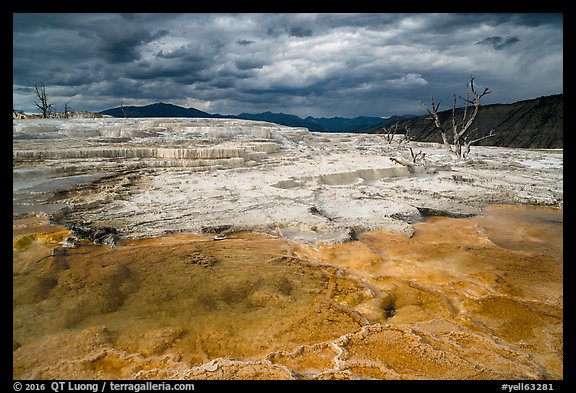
[333, 124]
[531, 123]
[534, 123]
[159, 109]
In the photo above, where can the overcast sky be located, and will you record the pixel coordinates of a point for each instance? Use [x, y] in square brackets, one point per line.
[321, 65]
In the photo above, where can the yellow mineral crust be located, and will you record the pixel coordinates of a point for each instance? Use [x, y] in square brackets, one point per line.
[475, 298]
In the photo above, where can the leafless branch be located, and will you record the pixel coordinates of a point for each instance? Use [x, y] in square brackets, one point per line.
[389, 132]
[461, 131]
[491, 134]
[43, 105]
[406, 135]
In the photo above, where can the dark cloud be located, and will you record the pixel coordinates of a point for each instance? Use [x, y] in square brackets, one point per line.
[498, 42]
[274, 32]
[298, 31]
[249, 64]
[122, 46]
[497, 19]
[128, 17]
[144, 71]
[527, 19]
[306, 64]
[187, 53]
[292, 31]
[244, 42]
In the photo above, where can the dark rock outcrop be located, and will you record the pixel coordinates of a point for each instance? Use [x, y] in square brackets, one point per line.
[97, 235]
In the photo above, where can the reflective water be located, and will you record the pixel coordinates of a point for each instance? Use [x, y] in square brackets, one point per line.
[33, 190]
[51, 184]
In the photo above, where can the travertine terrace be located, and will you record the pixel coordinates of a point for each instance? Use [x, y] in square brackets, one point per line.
[233, 249]
[147, 177]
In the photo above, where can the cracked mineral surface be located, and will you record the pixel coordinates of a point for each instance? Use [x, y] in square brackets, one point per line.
[230, 249]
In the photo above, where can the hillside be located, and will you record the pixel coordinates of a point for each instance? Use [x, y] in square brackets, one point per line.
[156, 110]
[535, 123]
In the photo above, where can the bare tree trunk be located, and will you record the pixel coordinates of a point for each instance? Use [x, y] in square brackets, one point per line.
[467, 143]
[124, 108]
[415, 156]
[406, 135]
[411, 165]
[389, 132]
[66, 110]
[434, 113]
[460, 146]
[43, 105]
[407, 164]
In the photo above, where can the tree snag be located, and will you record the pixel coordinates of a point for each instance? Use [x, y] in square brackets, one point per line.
[67, 110]
[43, 105]
[390, 132]
[461, 133]
[125, 108]
[407, 136]
[418, 159]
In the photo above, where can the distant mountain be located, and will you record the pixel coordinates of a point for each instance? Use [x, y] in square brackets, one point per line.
[334, 124]
[536, 123]
[322, 124]
[358, 124]
[371, 129]
[279, 118]
[156, 110]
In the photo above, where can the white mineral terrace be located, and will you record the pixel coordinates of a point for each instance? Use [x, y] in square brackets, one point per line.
[148, 177]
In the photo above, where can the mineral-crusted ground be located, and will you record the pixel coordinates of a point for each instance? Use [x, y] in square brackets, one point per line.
[148, 177]
[282, 254]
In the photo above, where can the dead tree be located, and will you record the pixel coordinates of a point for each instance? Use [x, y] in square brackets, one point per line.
[461, 132]
[466, 145]
[125, 109]
[406, 135]
[390, 132]
[43, 105]
[418, 159]
[67, 110]
[415, 156]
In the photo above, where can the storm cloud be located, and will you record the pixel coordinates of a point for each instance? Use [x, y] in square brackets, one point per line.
[498, 42]
[304, 64]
